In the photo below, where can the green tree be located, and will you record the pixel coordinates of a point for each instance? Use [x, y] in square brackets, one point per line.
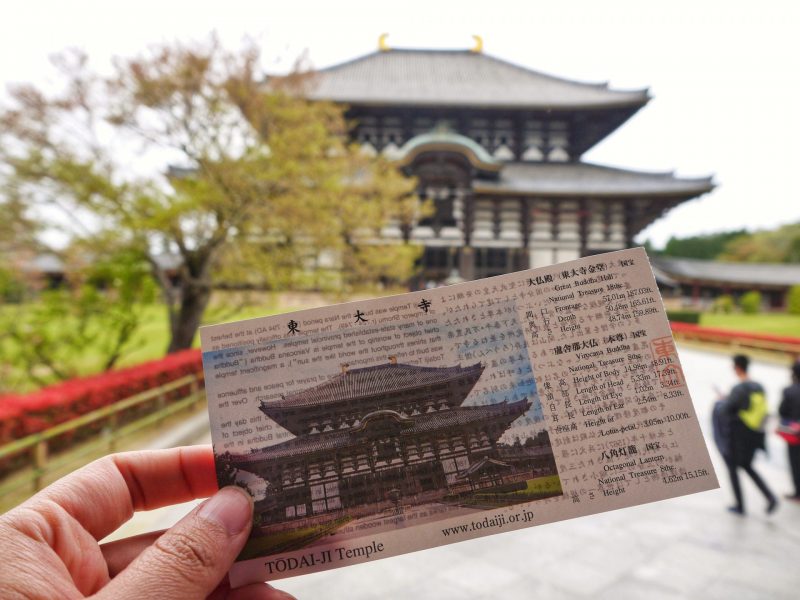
[780, 245]
[707, 247]
[87, 325]
[267, 182]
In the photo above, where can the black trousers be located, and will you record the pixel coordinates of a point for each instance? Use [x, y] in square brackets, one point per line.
[737, 488]
[794, 465]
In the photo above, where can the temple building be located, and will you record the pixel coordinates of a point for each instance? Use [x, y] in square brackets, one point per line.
[497, 147]
[387, 434]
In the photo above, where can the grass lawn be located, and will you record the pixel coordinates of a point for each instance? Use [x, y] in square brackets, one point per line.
[774, 323]
[536, 489]
[148, 342]
[291, 539]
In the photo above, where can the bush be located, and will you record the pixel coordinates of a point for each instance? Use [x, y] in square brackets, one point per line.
[723, 304]
[750, 302]
[684, 316]
[793, 300]
[22, 415]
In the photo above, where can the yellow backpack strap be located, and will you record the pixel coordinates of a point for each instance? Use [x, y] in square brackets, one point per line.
[755, 414]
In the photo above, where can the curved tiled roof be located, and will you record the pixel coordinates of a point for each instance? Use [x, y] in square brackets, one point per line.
[458, 78]
[480, 157]
[682, 269]
[427, 423]
[586, 179]
[368, 381]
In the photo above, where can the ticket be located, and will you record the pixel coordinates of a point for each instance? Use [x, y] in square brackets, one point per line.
[373, 428]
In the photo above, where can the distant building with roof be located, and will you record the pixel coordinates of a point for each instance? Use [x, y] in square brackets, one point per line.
[699, 282]
[374, 437]
[497, 147]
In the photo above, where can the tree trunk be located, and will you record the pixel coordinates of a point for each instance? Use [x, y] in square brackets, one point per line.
[195, 294]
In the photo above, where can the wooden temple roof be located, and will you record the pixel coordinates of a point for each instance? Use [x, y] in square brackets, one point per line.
[384, 379]
[589, 180]
[422, 424]
[484, 464]
[459, 78]
[690, 270]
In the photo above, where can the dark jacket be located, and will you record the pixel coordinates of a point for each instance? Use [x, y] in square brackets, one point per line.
[790, 404]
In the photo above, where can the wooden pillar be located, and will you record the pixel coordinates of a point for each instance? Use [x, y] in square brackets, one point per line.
[466, 258]
[583, 225]
[554, 220]
[519, 138]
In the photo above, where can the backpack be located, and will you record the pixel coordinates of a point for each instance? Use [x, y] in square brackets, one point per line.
[756, 412]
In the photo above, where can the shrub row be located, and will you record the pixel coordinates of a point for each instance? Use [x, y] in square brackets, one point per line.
[744, 338]
[683, 316]
[22, 415]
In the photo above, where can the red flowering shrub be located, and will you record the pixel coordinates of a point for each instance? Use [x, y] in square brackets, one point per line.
[31, 413]
[717, 334]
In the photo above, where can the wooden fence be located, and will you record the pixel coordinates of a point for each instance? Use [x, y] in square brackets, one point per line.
[36, 446]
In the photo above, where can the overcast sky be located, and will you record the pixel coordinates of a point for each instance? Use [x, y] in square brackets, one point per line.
[725, 76]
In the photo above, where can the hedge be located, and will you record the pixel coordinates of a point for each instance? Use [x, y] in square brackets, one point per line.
[22, 415]
[684, 316]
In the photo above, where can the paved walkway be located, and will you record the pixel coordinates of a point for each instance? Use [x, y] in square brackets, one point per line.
[683, 548]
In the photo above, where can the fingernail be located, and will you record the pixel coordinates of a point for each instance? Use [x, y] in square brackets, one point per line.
[231, 507]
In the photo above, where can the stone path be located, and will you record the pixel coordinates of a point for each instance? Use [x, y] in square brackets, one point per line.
[683, 548]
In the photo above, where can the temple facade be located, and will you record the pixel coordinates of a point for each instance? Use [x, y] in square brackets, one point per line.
[384, 435]
[497, 149]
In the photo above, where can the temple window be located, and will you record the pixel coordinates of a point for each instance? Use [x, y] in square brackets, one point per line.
[325, 497]
[443, 204]
[386, 449]
[450, 471]
[492, 261]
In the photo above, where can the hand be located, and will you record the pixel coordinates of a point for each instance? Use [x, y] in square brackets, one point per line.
[49, 545]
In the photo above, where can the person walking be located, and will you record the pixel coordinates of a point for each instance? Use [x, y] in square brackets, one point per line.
[746, 410]
[789, 412]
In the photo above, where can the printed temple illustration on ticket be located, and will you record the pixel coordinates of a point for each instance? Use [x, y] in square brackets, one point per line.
[399, 423]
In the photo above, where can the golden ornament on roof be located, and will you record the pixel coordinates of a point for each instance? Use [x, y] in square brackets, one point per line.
[478, 47]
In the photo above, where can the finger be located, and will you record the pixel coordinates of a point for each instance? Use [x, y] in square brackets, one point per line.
[189, 560]
[254, 591]
[104, 494]
[258, 591]
[121, 553]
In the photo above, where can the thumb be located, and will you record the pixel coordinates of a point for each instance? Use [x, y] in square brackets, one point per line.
[189, 560]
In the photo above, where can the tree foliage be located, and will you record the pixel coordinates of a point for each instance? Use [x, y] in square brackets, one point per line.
[793, 300]
[48, 340]
[780, 245]
[706, 247]
[750, 302]
[267, 182]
